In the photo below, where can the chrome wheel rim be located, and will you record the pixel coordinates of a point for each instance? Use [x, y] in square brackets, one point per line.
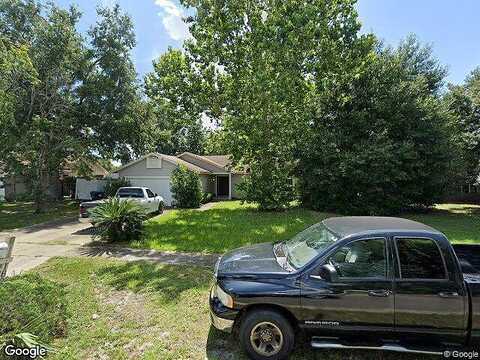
[266, 339]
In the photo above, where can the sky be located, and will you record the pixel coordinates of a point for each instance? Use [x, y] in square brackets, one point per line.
[450, 26]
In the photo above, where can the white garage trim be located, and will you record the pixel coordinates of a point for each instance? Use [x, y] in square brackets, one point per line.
[152, 177]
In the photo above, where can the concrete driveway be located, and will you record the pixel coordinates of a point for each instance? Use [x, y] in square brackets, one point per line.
[73, 237]
[38, 243]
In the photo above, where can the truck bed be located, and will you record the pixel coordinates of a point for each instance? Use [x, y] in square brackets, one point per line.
[469, 256]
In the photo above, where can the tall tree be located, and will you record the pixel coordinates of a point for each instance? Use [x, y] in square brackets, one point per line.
[463, 101]
[43, 131]
[260, 59]
[379, 143]
[109, 94]
[61, 100]
[173, 88]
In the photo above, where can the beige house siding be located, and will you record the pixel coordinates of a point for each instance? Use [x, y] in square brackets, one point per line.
[15, 187]
[140, 169]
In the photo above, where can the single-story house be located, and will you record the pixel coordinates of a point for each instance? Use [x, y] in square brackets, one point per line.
[59, 186]
[154, 171]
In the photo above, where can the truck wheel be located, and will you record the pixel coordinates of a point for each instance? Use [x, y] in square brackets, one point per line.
[160, 208]
[266, 335]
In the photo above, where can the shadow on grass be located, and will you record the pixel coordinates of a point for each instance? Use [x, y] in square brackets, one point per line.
[167, 281]
[459, 222]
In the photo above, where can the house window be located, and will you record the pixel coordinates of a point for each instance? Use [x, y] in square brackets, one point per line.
[154, 162]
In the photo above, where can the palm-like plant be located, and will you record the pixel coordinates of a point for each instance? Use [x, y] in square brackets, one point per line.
[118, 220]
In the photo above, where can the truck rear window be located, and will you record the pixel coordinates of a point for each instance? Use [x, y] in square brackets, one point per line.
[420, 259]
[130, 193]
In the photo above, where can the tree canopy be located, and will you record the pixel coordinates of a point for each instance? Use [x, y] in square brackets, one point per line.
[61, 98]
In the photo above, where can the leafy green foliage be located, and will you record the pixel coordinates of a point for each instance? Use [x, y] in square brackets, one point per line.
[264, 63]
[118, 220]
[33, 310]
[186, 188]
[207, 197]
[379, 143]
[113, 185]
[463, 102]
[108, 97]
[172, 88]
[267, 185]
[61, 100]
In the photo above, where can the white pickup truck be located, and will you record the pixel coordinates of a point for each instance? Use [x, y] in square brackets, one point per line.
[146, 198]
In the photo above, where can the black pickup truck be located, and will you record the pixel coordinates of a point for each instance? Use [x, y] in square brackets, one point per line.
[354, 283]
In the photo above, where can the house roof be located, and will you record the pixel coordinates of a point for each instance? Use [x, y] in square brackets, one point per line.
[222, 162]
[210, 164]
[190, 166]
[171, 159]
[71, 169]
[350, 225]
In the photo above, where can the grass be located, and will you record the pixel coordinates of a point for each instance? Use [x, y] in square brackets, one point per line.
[229, 225]
[139, 310]
[19, 214]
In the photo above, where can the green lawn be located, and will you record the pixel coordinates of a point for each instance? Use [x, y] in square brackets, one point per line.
[120, 310]
[20, 214]
[229, 225]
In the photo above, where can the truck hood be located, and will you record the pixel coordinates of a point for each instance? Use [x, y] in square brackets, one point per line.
[253, 260]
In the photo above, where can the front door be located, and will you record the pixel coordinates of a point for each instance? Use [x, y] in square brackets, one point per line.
[222, 185]
[360, 299]
[428, 301]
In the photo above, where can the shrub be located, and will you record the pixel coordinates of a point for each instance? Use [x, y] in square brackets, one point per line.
[269, 184]
[34, 305]
[113, 185]
[207, 197]
[186, 188]
[118, 220]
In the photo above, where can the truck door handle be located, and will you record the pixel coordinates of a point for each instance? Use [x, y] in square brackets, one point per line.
[379, 293]
[447, 294]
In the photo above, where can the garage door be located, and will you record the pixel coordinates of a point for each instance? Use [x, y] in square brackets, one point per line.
[159, 185]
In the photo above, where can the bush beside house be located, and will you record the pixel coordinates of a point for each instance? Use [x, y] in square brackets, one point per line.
[186, 188]
[112, 185]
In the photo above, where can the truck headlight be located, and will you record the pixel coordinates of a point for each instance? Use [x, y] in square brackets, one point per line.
[224, 298]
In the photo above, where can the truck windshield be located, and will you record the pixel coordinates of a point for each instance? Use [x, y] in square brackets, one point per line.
[130, 193]
[309, 243]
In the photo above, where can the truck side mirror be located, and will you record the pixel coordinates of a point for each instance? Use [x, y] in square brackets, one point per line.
[328, 273]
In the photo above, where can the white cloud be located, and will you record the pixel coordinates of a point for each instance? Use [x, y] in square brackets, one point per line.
[172, 19]
[108, 3]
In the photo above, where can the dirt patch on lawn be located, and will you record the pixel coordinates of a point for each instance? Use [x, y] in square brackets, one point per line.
[128, 316]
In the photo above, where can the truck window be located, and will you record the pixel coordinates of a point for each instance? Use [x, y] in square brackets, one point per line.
[420, 259]
[150, 193]
[361, 259]
[130, 193]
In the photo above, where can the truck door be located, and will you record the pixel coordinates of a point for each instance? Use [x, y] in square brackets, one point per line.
[429, 301]
[361, 298]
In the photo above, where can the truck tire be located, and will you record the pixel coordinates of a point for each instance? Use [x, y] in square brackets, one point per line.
[266, 335]
[160, 208]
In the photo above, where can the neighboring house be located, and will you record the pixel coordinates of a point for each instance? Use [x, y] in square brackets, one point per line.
[154, 171]
[63, 185]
